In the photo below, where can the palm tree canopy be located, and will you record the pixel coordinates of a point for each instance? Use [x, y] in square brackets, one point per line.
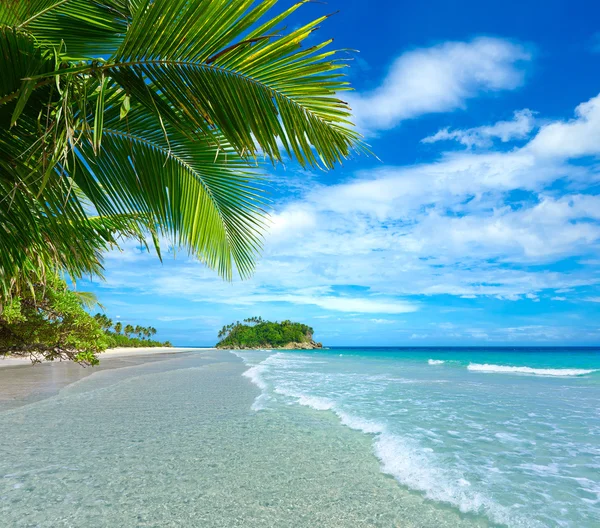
[123, 116]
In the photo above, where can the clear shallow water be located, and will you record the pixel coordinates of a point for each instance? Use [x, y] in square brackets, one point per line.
[509, 435]
[175, 443]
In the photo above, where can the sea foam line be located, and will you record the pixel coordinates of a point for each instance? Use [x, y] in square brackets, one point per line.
[402, 458]
[417, 468]
[505, 369]
[255, 375]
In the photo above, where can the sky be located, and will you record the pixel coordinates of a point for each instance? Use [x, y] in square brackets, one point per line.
[477, 222]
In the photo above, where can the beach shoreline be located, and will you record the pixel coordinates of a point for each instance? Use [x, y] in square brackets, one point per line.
[9, 361]
[173, 441]
[22, 381]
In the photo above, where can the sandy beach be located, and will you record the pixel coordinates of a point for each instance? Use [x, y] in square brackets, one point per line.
[6, 361]
[23, 381]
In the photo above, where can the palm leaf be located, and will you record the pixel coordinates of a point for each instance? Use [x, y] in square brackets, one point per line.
[86, 28]
[199, 192]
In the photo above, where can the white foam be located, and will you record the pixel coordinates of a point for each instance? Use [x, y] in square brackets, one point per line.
[360, 424]
[320, 404]
[435, 362]
[504, 369]
[314, 402]
[418, 469]
[255, 375]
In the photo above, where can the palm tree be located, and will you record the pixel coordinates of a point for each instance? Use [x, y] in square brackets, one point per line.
[138, 331]
[118, 327]
[128, 330]
[152, 113]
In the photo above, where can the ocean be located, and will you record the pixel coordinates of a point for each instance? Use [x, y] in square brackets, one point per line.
[345, 437]
[510, 434]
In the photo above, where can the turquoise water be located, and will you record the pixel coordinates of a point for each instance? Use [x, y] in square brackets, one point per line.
[175, 443]
[510, 435]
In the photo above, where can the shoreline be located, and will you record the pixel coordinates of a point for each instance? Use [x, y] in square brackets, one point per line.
[22, 381]
[175, 442]
[8, 361]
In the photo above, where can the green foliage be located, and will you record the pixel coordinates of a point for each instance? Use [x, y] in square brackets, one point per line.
[152, 114]
[48, 322]
[260, 333]
[141, 334]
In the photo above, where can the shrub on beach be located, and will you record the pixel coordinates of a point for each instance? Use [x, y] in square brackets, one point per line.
[48, 322]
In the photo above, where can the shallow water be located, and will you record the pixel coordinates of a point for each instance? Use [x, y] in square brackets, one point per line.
[176, 443]
[512, 436]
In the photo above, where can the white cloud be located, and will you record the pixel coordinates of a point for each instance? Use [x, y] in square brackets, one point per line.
[440, 79]
[571, 139]
[593, 299]
[439, 228]
[548, 230]
[359, 305]
[518, 128]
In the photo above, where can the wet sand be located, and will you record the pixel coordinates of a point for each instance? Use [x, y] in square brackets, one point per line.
[22, 381]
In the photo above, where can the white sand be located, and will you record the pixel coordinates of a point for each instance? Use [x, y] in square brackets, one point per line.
[110, 353]
[120, 352]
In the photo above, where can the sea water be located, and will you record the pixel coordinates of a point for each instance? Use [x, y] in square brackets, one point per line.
[512, 435]
[330, 439]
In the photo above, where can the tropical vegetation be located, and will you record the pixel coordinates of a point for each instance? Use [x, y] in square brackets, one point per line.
[49, 322]
[145, 118]
[119, 335]
[258, 333]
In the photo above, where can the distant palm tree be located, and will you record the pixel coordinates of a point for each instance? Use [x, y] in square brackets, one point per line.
[118, 327]
[138, 331]
[153, 113]
[128, 330]
[104, 322]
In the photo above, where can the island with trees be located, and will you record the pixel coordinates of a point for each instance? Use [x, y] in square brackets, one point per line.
[255, 332]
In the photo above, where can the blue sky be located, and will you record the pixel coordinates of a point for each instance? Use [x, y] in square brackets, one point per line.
[480, 222]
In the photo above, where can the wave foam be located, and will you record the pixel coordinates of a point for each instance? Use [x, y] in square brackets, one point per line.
[414, 466]
[255, 375]
[419, 469]
[360, 424]
[435, 362]
[314, 402]
[504, 369]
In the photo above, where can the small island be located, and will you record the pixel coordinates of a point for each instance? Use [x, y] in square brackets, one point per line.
[255, 332]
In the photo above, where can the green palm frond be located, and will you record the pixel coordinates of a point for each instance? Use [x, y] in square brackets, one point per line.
[87, 299]
[83, 28]
[123, 117]
[201, 192]
[219, 65]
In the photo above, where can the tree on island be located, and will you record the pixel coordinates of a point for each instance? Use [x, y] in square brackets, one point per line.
[258, 333]
[123, 118]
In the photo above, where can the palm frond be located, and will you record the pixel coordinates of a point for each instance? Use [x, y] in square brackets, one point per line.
[200, 193]
[86, 28]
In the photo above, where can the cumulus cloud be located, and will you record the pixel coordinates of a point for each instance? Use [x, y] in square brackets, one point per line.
[518, 128]
[448, 227]
[441, 78]
[570, 139]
